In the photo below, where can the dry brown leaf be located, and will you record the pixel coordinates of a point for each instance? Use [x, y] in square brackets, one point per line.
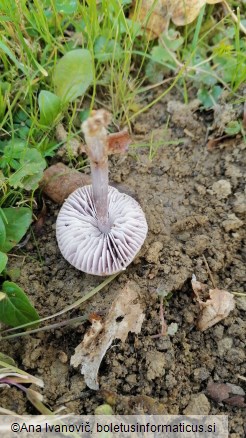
[213, 142]
[125, 315]
[216, 308]
[228, 393]
[118, 142]
[155, 22]
[186, 11]
[181, 12]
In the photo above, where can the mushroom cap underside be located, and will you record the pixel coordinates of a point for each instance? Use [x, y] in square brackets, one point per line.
[87, 248]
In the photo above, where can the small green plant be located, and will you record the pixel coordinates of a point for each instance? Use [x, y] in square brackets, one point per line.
[212, 56]
[21, 164]
[73, 74]
[15, 308]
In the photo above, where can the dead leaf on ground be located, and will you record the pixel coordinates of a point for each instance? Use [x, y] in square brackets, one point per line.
[118, 142]
[213, 142]
[215, 308]
[156, 20]
[125, 315]
[226, 392]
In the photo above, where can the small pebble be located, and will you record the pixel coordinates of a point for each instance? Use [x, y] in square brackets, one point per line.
[232, 223]
[222, 189]
[201, 374]
[198, 405]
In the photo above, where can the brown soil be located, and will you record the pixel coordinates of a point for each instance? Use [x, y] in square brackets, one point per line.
[190, 215]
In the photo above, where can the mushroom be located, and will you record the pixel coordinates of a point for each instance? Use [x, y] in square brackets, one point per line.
[100, 230]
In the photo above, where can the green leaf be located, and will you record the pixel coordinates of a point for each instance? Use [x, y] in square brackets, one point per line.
[233, 128]
[2, 105]
[8, 360]
[205, 77]
[66, 7]
[12, 152]
[172, 40]
[154, 72]
[84, 114]
[162, 56]
[73, 74]
[106, 49]
[49, 106]
[30, 170]
[2, 231]
[18, 221]
[47, 147]
[132, 25]
[3, 261]
[209, 98]
[13, 58]
[15, 307]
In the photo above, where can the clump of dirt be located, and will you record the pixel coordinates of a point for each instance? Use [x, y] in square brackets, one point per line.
[194, 200]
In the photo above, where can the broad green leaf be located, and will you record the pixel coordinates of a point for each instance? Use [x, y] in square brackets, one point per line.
[30, 170]
[73, 74]
[15, 307]
[162, 56]
[2, 231]
[209, 98]
[3, 261]
[49, 106]
[18, 221]
[66, 7]
[106, 49]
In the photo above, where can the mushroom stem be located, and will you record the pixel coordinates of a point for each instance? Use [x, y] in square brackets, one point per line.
[95, 132]
[99, 174]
